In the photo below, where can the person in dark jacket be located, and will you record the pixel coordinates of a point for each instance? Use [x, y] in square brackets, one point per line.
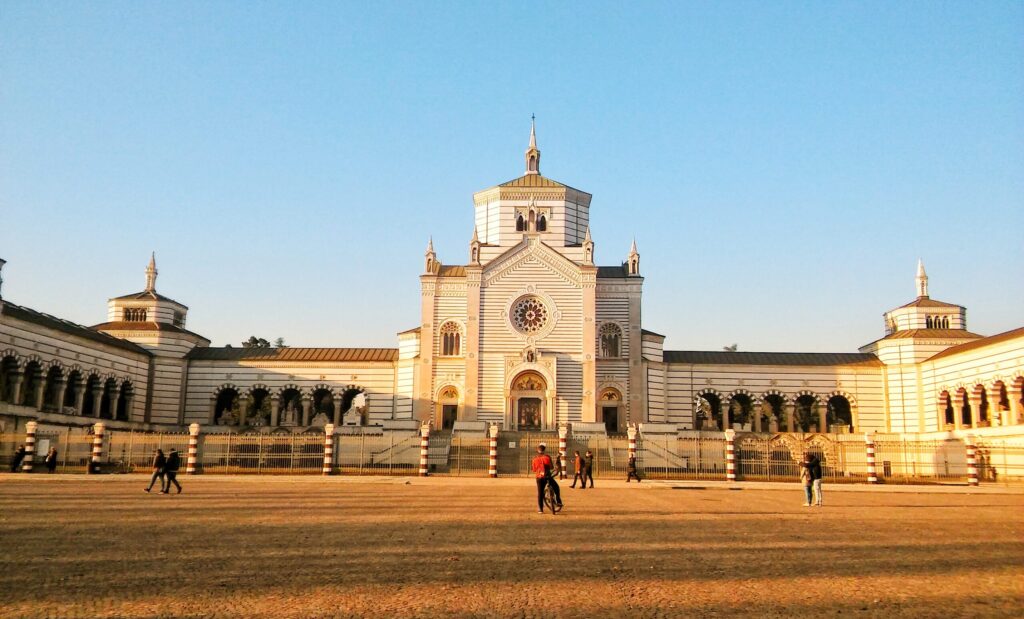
[577, 465]
[631, 470]
[159, 466]
[19, 455]
[171, 471]
[815, 468]
[588, 468]
[51, 460]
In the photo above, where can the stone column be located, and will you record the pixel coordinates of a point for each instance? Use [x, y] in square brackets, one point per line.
[97, 446]
[492, 464]
[337, 410]
[972, 462]
[30, 446]
[975, 409]
[243, 409]
[212, 417]
[97, 399]
[994, 409]
[328, 448]
[62, 388]
[307, 403]
[40, 391]
[424, 448]
[730, 455]
[869, 446]
[80, 397]
[725, 406]
[17, 378]
[129, 403]
[193, 449]
[757, 417]
[115, 394]
[822, 416]
[957, 411]
[275, 410]
[789, 407]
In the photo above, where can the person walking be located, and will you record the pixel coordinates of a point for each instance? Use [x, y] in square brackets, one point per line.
[631, 470]
[171, 471]
[805, 478]
[19, 455]
[588, 469]
[577, 465]
[815, 470]
[51, 460]
[159, 464]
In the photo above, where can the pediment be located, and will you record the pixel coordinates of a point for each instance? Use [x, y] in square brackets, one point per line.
[532, 249]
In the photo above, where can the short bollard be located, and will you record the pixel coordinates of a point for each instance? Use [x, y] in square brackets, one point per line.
[730, 455]
[869, 445]
[328, 449]
[563, 444]
[97, 447]
[972, 462]
[193, 449]
[424, 448]
[492, 465]
[30, 446]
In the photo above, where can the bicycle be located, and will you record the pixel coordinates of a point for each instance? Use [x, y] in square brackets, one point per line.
[551, 500]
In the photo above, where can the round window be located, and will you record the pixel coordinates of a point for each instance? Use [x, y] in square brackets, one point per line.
[529, 315]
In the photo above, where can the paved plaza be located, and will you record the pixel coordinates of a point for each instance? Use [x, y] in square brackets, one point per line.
[75, 546]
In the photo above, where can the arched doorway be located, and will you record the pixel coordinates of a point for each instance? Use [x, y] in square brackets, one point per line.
[838, 413]
[32, 381]
[447, 409]
[291, 407]
[323, 407]
[708, 412]
[124, 402]
[529, 401]
[965, 408]
[803, 413]
[610, 409]
[226, 412]
[76, 383]
[740, 408]
[51, 391]
[772, 411]
[8, 372]
[260, 406]
[948, 415]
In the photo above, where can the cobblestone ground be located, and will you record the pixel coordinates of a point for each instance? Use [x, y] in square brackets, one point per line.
[100, 547]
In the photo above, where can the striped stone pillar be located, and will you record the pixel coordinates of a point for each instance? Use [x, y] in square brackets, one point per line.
[563, 444]
[631, 434]
[972, 462]
[424, 448]
[328, 449]
[730, 455]
[869, 445]
[30, 446]
[193, 449]
[492, 465]
[97, 446]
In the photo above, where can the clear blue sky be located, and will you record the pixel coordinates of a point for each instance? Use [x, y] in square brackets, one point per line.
[782, 165]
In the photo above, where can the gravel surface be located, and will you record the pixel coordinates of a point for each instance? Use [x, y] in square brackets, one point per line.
[307, 547]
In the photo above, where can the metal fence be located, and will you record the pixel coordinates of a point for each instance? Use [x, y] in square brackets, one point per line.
[387, 453]
[133, 452]
[457, 454]
[1000, 459]
[267, 454]
[914, 461]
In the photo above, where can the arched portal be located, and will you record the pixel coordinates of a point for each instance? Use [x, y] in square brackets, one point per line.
[965, 408]
[51, 392]
[90, 406]
[772, 412]
[291, 407]
[8, 374]
[354, 407]
[226, 411]
[708, 413]
[803, 414]
[610, 409]
[447, 409]
[740, 411]
[981, 397]
[32, 381]
[108, 402]
[323, 404]
[259, 407]
[946, 408]
[530, 406]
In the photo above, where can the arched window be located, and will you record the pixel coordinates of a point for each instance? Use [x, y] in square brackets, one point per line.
[520, 224]
[542, 224]
[135, 314]
[928, 322]
[611, 340]
[945, 323]
[451, 339]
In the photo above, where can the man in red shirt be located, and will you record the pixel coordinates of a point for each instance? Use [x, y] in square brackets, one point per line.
[541, 467]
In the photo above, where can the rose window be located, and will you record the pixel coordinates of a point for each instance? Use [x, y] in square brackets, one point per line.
[529, 315]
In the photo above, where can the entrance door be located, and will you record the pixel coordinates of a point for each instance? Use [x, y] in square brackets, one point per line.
[449, 414]
[611, 419]
[529, 413]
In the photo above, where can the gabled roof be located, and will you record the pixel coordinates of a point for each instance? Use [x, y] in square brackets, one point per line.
[66, 326]
[124, 325]
[980, 343]
[452, 270]
[147, 295]
[536, 180]
[309, 355]
[612, 272]
[944, 334]
[769, 358]
[928, 302]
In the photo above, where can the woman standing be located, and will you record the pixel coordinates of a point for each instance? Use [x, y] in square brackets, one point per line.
[805, 478]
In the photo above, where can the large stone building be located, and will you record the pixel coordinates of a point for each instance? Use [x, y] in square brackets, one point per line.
[529, 333]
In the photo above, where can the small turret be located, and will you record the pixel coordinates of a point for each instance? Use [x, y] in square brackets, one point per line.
[588, 248]
[430, 258]
[532, 152]
[151, 274]
[633, 261]
[474, 248]
[922, 280]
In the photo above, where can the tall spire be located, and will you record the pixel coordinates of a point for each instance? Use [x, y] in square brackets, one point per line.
[151, 274]
[922, 280]
[430, 258]
[633, 261]
[533, 153]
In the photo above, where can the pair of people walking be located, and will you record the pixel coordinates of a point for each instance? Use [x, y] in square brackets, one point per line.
[810, 478]
[165, 469]
[584, 469]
